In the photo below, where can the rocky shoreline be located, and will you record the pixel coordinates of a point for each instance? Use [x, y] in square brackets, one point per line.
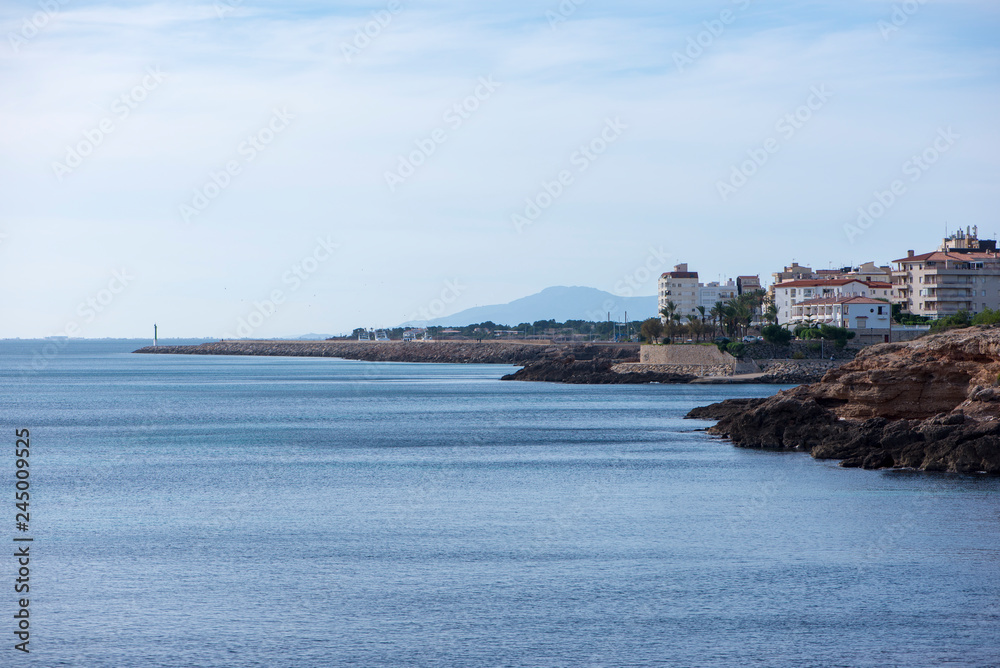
[932, 404]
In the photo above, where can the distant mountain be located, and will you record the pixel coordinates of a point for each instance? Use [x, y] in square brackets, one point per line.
[559, 303]
[313, 337]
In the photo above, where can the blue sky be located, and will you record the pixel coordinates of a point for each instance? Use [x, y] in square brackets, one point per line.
[310, 233]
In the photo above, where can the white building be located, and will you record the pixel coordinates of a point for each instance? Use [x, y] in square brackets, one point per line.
[856, 313]
[680, 286]
[790, 293]
[710, 293]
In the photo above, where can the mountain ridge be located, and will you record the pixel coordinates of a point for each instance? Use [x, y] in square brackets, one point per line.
[558, 303]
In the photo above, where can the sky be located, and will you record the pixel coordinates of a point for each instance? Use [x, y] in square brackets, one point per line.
[244, 168]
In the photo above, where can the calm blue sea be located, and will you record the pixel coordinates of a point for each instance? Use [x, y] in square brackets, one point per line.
[238, 511]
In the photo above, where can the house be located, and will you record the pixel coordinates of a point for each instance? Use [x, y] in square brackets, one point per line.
[790, 293]
[852, 312]
[867, 271]
[962, 275]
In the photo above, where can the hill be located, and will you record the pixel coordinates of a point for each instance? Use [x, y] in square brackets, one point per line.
[558, 303]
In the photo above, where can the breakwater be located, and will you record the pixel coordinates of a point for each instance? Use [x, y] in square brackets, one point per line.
[450, 352]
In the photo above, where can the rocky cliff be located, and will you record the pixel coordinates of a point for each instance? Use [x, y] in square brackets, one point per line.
[931, 404]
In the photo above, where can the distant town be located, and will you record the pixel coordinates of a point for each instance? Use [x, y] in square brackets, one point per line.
[957, 283]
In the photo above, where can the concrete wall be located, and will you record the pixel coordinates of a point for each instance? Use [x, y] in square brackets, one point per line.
[684, 354]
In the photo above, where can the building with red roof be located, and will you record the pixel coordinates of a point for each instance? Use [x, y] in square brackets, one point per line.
[962, 275]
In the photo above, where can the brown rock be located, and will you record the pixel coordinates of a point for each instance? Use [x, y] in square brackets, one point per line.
[930, 404]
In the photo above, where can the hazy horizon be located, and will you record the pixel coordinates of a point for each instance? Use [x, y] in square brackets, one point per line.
[191, 164]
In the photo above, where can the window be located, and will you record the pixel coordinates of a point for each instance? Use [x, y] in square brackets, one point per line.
[880, 310]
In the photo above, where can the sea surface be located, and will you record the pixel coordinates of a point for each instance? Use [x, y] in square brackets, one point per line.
[251, 511]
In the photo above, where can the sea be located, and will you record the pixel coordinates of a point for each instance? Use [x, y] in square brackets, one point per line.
[297, 512]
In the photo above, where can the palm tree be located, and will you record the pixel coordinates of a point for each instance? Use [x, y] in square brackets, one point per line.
[739, 314]
[718, 313]
[770, 314]
[701, 312]
[694, 326]
[671, 319]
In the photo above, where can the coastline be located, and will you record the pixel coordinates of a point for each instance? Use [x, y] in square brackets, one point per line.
[574, 363]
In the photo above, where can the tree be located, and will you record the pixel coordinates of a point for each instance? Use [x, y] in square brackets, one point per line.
[771, 314]
[672, 319]
[701, 314]
[717, 313]
[651, 330]
[694, 326]
[739, 313]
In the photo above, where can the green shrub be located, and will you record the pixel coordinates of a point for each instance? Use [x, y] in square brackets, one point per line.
[960, 319]
[815, 345]
[798, 355]
[735, 348]
[776, 334]
[987, 317]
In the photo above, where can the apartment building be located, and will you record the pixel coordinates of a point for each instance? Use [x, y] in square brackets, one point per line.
[849, 311]
[795, 272]
[746, 284]
[962, 275]
[681, 287]
[709, 293]
[790, 293]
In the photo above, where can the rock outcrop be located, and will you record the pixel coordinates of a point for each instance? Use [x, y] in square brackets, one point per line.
[599, 371]
[930, 404]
